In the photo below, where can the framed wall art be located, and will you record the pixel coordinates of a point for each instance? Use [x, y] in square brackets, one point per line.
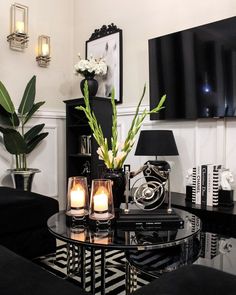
[107, 43]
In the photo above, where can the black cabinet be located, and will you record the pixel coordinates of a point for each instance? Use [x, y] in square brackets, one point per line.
[81, 147]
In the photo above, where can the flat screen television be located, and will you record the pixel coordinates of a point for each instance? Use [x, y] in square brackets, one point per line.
[196, 69]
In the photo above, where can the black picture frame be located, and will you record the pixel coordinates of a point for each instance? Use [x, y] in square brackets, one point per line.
[107, 43]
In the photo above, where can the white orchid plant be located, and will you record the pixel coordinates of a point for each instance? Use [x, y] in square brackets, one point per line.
[90, 67]
[115, 156]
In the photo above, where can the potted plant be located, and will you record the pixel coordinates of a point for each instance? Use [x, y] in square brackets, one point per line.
[18, 140]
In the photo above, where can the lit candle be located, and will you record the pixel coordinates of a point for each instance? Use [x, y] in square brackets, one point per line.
[45, 49]
[20, 27]
[77, 197]
[100, 200]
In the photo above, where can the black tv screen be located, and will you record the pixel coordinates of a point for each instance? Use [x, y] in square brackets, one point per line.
[196, 69]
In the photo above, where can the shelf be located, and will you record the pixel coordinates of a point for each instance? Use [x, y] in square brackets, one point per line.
[215, 219]
[76, 126]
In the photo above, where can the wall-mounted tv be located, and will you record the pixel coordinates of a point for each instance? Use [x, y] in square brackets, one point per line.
[196, 69]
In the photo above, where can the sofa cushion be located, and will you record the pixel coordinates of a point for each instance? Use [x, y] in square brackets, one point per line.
[22, 277]
[192, 280]
[22, 210]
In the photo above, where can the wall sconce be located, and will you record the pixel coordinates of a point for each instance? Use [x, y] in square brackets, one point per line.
[18, 38]
[43, 57]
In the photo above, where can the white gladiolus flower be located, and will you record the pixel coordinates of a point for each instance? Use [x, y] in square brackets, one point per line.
[110, 156]
[119, 157]
[100, 152]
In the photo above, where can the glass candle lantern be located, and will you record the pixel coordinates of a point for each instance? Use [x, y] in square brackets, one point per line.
[101, 201]
[18, 38]
[77, 196]
[44, 49]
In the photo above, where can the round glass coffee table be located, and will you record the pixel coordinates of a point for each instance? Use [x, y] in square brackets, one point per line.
[83, 238]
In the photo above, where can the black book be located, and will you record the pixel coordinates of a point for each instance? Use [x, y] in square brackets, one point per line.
[146, 220]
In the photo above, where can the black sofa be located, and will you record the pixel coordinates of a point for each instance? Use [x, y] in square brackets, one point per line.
[19, 276]
[23, 222]
[192, 280]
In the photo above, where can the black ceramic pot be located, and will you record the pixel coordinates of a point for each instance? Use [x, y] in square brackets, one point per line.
[118, 187]
[92, 86]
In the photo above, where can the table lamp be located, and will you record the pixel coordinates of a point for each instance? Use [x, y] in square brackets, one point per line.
[157, 143]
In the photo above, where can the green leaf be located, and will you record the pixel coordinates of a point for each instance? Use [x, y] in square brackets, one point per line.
[8, 119]
[28, 97]
[13, 141]
[34, 109]
[5, 99]
[35, 141]
[29, 135]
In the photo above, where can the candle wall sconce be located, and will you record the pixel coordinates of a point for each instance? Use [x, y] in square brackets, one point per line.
[18, 38]
[44, 49]
[101, 202]
[77, 198]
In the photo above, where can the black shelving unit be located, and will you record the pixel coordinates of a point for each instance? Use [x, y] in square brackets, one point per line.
[78, 163]
[219, 219]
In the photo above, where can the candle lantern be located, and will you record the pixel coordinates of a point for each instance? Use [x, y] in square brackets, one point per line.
[44, 49]
[101, 201]
[18, 38]
[77, 197]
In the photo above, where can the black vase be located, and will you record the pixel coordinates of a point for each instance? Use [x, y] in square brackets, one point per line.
[92, 86]
[118, 186]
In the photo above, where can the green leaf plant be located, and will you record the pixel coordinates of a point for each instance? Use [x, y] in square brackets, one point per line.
[115, 156]
[16, 139]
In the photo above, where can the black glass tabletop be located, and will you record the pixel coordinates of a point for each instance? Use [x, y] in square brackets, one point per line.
[125, 237]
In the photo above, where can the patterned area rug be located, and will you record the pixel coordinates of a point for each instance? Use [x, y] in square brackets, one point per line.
[115, 277]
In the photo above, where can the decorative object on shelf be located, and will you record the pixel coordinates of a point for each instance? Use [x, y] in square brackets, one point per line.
[163, 144]
[101, 202]
[17, 141]
[107, 42]
[89, 68]
[117, 176]
[18, 38]
[206, 184]
[77, 198]
[226, 194]
[189, 185]
[44, 50]
[115, 155]
[85, 144]
[226, 179]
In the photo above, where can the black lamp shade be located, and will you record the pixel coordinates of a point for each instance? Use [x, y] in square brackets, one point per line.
[156, 143]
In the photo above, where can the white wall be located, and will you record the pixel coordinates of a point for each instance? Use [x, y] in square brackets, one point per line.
[55, 19]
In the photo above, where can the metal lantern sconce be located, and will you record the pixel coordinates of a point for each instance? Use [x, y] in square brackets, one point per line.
[44, 49]
[18, 38]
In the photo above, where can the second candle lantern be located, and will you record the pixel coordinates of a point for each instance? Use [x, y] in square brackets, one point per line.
[101, 201]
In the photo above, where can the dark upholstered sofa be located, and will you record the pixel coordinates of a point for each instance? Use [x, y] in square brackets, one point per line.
[192, 280]
[23, 222]
[19, 276]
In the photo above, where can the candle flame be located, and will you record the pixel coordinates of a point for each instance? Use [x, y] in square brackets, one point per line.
[102, 190]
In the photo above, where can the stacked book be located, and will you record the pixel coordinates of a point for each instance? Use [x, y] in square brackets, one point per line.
[205, 184]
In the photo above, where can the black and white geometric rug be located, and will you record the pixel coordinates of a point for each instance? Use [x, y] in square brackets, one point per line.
[115, 277]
